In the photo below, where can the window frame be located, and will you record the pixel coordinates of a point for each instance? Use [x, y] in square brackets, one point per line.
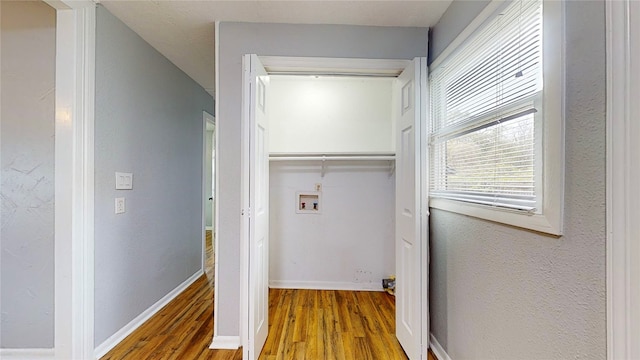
[549, 218]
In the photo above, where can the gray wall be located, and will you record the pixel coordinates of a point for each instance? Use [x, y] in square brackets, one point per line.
[458, 15]
[149, 122]
[236, 39]
[498, 292]
[28, 81]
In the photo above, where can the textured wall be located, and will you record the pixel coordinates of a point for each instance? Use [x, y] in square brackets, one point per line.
[498, 292]
[236, 39]
[149, 122]
[28, 82]
[458, 15]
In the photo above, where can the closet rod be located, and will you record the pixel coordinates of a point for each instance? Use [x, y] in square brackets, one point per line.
[333, 157]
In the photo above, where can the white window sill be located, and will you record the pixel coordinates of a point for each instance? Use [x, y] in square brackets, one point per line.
[535, 222]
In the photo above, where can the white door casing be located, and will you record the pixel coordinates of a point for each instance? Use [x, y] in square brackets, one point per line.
[74, 183]
[258, 212]
[623, 174]
[411, 238]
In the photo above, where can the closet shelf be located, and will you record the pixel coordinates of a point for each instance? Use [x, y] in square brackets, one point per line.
[336, 156]
[331, 156]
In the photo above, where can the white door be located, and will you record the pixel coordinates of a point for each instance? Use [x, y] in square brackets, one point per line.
[411, 237]
[258, 291]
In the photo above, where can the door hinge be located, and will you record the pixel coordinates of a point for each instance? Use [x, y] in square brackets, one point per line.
[247, 212]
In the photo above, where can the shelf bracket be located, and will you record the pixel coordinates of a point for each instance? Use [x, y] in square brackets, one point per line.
[392, 167]
[324, 165]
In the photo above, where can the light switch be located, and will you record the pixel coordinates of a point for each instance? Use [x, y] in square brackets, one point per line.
[120, 205]
[124, 181]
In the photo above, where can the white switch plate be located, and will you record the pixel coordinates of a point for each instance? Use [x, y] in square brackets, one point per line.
[124, 181]
[120, 205]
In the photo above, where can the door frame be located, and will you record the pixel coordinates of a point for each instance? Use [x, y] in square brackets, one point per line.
[207, 118]
[74, 179]
[424, 204]
[622, 174]
[333, 66]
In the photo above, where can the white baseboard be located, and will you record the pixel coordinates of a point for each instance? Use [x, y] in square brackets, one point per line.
[325, 285]
[27, 354]
[225, 343]
[116, 338]
[437, 349]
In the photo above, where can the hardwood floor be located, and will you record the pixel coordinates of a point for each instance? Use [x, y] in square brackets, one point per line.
[327, 324]
[304, 324]
[181, 330]
[209, 259]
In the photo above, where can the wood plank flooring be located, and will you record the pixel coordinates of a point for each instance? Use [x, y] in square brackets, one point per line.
[326, 324]
[209, 260]
[181, 330]
[304, 324]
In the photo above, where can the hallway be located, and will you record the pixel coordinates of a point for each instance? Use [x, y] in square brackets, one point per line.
[181, 330]
[304, 324]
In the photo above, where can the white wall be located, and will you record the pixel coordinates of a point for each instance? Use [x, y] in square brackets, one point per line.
[149, 122]
[499, 292]
[236, 39]
[350, 244]
[330, 114]
[28, 82]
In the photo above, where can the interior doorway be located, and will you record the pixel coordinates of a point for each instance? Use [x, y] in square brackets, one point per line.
[208, 191]
[405, 153]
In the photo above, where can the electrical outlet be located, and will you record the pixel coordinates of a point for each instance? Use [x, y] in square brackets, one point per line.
[120, 205]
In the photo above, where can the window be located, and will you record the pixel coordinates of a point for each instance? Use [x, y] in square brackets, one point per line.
[495, 139]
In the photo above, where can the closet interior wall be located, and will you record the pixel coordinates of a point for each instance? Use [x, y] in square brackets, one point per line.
[349, 244]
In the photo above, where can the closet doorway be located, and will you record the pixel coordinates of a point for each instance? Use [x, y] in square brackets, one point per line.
[341, 141]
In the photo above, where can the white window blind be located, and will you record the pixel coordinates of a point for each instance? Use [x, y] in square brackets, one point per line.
[487, 114]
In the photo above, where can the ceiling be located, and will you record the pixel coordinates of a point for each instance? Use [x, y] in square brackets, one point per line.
[183, 30]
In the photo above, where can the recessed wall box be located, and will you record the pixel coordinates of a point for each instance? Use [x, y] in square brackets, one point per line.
[309, 202]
